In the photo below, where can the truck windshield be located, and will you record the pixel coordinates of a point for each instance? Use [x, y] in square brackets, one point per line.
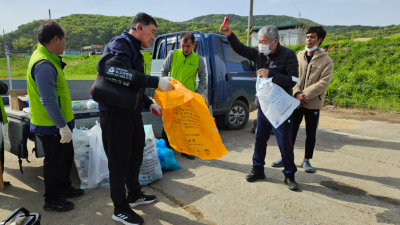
[172, 46]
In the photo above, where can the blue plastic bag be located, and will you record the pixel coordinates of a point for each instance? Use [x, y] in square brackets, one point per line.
[166, 157]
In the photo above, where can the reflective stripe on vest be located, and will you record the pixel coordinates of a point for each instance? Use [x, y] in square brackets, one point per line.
[39, 116]
[184, 69]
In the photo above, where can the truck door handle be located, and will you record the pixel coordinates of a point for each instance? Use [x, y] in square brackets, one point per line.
[227, 77]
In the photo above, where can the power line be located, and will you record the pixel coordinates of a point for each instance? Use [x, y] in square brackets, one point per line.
[297, 10]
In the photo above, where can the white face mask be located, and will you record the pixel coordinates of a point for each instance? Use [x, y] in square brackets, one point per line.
[265, 49]
[312, 48]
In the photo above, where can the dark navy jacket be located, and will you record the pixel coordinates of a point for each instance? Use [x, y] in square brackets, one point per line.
[282, 64]
[128, 47]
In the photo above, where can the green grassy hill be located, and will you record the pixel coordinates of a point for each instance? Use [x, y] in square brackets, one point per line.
[335, 33]
[365, 74]
[78, 67]
[85, 29]
[241, 21]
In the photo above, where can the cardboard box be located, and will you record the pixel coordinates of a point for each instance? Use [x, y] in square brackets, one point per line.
[18, 99]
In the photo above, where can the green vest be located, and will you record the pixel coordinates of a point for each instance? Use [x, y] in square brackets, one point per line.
[39, 116]
[184, 69]
[3, 112]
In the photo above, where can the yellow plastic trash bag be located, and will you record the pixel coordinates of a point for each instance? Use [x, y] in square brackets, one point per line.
[188, 123]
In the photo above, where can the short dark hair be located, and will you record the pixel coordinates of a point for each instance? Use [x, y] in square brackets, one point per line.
[321, 33]
[144, 19]
[186, 36]
[48, 30]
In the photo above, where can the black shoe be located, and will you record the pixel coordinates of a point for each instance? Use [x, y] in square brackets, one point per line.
[6, 183]
[141, 199]
[188, 156]
[255, 175]
[127, 217]
[73, 192]
[291, 183]
[59, 205]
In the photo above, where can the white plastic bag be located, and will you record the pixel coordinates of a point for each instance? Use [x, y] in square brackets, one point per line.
[275, 103]
[150, 170]
[92, 105]
[82, 105]
[81, 141]
[98, 175]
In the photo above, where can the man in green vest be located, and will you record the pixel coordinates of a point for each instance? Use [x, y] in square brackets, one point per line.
[3, 120]
[51, 115]
[183, 65]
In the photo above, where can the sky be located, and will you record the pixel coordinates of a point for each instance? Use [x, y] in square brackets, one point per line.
[327, 12]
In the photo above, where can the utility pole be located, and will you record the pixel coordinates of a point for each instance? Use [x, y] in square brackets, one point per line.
[7, 52]
[250, 25]
[4, 37]
[8, 64]
[49, 14]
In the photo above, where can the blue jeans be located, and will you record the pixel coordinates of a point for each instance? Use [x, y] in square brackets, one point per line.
[283, 136]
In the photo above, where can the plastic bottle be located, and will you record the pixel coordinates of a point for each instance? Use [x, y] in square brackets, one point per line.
[223, 26]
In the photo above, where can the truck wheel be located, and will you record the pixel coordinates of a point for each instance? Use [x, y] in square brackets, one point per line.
[238, 115]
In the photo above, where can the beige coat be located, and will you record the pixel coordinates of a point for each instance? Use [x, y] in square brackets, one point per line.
[314, 77]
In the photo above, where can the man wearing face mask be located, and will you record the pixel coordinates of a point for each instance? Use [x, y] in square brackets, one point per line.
[184, 64]
[279, 63]
[315, 72]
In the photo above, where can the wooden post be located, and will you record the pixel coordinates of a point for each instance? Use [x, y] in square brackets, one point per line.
[1, 178]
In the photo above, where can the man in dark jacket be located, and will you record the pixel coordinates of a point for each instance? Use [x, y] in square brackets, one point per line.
[122, 128]
[279, 63]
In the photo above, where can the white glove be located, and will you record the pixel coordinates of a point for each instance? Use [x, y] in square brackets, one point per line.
[66, 135]
[165, 84]
[156, 109]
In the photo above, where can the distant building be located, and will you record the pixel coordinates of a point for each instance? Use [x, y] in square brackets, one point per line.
[93, 49]
[289, 34]
[71, 52]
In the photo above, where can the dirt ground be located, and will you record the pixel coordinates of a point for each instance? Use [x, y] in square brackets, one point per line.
[357, 158]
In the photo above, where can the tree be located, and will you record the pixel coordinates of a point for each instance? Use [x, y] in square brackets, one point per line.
[23, 44]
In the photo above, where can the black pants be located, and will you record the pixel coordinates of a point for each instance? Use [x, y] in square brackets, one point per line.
[123, 140]
[283, 137]
[57, 165]
[2, 155]
[165, 137]
[312, 119]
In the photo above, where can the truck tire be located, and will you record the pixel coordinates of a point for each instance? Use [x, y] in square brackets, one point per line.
[237, 116]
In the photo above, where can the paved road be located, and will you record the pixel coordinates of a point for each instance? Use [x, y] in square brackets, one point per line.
[357, 182]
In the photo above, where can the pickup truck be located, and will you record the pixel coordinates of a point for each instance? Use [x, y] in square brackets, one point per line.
[231, 78]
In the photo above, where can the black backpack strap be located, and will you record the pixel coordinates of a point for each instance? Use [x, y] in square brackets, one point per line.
[40, 62]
